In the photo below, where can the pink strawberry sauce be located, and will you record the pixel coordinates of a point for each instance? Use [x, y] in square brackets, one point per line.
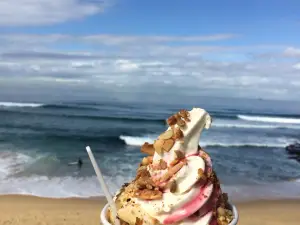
[189, 208]
[201, 202]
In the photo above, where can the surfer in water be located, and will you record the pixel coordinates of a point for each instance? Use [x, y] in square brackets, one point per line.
[79, 163]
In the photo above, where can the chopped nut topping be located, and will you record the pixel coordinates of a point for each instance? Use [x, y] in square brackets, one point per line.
[145, 182]
[178, 134]
[161, 165]
[201, 174]
[174, 162]
[179, 118]
[173, 186]
[147, 194]
[124, 223]
[171, 121]
[221, 211]
[168, 144]
[173, 170]
[180, 122]
[184, 114]
[179, 154]
[154, 221]
[166, 135]
[142, 172]
[138, 221]
[147, 148]
[147, 160]
[158, 146]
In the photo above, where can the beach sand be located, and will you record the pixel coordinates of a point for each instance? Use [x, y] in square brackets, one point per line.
[28, 210]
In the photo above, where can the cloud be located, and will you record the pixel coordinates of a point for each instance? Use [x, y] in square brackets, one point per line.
[108, 40]
[292, 52]
[150, 67]
[121, 40]
[297, 66]
[45, 12]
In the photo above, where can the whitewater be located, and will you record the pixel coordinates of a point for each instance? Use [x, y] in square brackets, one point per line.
[38, 140]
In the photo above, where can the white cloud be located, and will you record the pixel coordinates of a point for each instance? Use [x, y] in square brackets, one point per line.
[120, 40]
[29, 41]
[297, 66]
[44, 12]
[292, 52]
[194, 69]
[126, 65]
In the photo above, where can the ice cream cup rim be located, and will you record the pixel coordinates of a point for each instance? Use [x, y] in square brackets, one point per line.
[105, 222]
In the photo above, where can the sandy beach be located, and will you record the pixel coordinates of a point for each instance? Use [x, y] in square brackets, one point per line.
[28, 210]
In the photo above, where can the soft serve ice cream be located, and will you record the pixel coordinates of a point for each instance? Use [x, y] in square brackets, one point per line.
[175, 184]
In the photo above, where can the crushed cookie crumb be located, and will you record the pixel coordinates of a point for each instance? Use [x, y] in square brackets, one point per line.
[142, 172]
[147, 194]
[144, 182]
[161, 165]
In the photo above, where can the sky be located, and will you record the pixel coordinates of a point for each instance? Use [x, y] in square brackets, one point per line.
[137, 49]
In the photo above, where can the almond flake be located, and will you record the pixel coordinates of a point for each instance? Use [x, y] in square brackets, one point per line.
[158, 146]
[147, 148]
[166, 135]
[168, 144]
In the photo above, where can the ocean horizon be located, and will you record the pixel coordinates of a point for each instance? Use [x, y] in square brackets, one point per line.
[247, 143]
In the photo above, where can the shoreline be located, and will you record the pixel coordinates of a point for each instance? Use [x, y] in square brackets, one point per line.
[33, 210]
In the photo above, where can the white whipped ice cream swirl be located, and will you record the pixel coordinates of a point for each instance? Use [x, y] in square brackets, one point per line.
[190, 193]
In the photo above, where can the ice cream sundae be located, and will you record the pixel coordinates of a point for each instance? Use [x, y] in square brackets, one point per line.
[175, 182]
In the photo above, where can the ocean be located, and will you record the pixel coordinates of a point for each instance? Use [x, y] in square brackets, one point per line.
[246, 142]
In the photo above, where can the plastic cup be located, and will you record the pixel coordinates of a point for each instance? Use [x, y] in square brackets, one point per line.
[105, 221]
